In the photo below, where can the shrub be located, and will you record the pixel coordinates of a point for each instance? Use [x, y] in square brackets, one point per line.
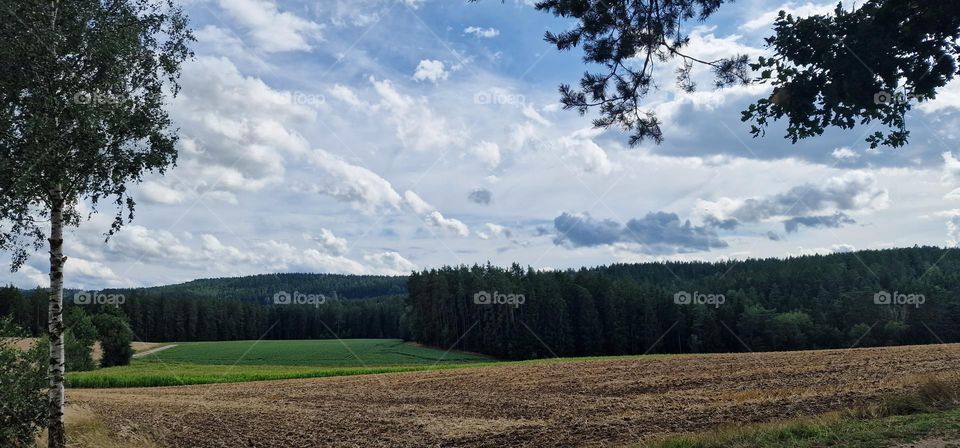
[23, 382]
[78, 340]
[115, 339]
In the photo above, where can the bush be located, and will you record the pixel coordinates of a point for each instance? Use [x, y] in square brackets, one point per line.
[115, 339]
[23, 382]
[78, 340]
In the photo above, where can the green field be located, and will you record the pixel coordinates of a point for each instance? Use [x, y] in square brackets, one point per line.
[237, 361]
[313, 353]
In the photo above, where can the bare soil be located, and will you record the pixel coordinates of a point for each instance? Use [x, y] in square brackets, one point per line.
[571, 403]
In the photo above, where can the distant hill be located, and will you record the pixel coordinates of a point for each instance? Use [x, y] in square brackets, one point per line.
[264, 286]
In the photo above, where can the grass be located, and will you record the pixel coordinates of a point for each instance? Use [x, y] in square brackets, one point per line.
[313, 353]
[86, 430]
[157, 374]
[241, 361]
[928, 412]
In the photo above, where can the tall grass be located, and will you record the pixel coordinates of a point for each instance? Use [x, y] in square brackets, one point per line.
[98, 380]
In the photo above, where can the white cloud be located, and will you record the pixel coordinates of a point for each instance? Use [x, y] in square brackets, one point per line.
[353, 184]
[331, 243]
[390, 263]
[766, 18]
[235, 133]
[486, 33]
[844, 153]
[492, 230]
[456, 226]
[583, 153]
[417, 203]
[430, 70]
[270, 29]
[488, 153]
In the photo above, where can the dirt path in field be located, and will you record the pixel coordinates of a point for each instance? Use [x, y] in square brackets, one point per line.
[539, 404]
[153, 350]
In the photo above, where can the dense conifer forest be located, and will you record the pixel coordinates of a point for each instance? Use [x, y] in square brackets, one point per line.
[821, 301]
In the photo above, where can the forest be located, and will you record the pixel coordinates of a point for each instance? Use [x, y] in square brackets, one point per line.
[808, 302]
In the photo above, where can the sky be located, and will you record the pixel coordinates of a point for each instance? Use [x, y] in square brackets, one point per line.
[386, 136]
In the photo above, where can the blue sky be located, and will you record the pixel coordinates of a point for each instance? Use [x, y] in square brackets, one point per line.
[382, 136]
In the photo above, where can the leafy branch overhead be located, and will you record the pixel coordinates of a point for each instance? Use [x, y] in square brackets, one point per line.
[857, 67]
[628, 38]
[867, 63]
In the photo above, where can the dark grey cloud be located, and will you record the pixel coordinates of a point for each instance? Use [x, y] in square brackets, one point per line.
[807, 205]
[827, 221]
[772, 236]
[725, 224]
[657, 233]
[852, 192]
[481, 196]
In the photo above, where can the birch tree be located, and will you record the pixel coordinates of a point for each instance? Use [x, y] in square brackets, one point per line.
[84, 84]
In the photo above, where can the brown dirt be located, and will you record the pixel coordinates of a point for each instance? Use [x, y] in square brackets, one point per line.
[601, 402]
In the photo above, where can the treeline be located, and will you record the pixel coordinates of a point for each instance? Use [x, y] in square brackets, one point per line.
[773, 304]
[798, 303]
[261, 287]
[173, 318]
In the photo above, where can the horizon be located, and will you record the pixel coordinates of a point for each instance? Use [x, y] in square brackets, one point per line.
[504, 266]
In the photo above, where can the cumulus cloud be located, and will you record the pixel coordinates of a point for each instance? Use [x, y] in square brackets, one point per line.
[270, 29]
[234, 132]
[656, 233]
[488, 153]
[390, 263]
[492, 230]
[141, 244]
[844, 153]
[331, 243]
[417, 203]
[430, 70]
[433, 217]
[416, 125]
[482, 32]
[582, 152]
[449, 224]
[353, 184]
[766, 18]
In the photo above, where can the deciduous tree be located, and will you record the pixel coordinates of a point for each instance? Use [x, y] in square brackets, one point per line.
[82, 96]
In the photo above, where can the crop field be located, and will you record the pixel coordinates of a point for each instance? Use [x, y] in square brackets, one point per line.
[607, 401]
[314, 353]
[238, 361]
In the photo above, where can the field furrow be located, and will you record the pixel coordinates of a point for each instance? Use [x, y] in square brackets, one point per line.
[554, 403]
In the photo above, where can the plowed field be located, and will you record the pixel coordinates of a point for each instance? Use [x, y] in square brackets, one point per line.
[564, 403]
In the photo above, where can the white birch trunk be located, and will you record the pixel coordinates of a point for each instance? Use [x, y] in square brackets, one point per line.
[56, 435]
